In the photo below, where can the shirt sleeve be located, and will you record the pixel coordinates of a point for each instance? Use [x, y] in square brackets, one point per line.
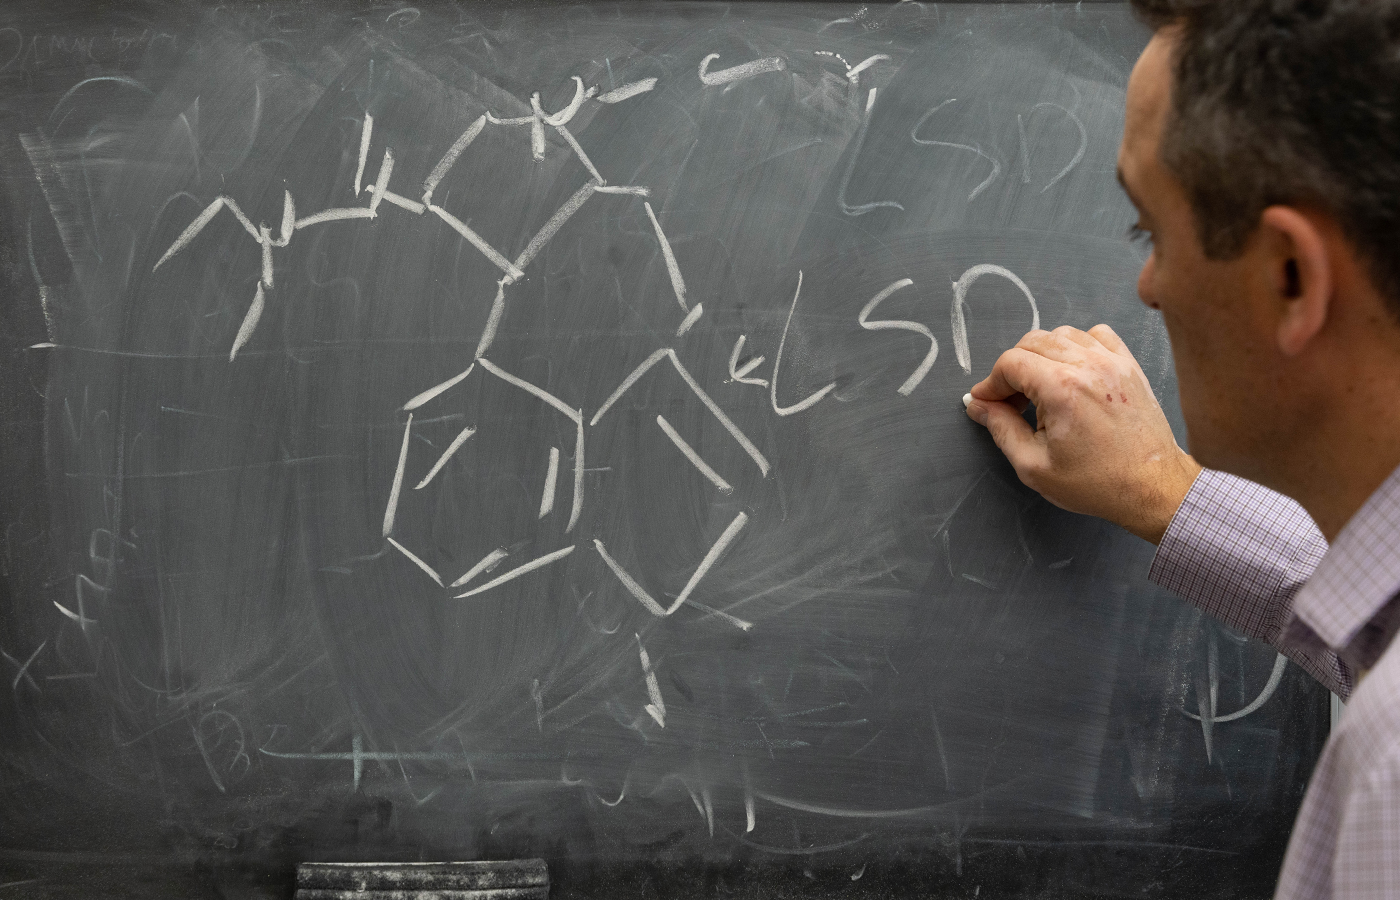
[1240, 552]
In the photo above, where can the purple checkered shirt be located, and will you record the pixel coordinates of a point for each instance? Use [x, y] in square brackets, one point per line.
[1255, 560]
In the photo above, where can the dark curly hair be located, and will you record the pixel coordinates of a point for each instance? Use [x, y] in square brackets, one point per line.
[1292, 102]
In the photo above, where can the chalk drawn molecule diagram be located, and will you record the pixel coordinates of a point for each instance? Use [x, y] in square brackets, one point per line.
[379, 191]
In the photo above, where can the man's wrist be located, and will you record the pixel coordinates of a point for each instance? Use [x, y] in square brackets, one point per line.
[1165, 499]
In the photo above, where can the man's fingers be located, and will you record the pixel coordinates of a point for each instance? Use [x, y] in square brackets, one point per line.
[1110, 339]
[1017, 371]
[1057, 345]
[1013, 436]
[1075, 336]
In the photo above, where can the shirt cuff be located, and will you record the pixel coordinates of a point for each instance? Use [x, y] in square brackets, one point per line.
[1239, 551]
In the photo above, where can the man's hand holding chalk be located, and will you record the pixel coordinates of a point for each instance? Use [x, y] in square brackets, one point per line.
[1101, 445]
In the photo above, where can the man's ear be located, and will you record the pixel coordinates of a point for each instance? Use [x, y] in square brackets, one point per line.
[1301, 275]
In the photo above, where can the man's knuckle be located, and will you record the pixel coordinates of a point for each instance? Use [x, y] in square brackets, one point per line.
[1032, 473]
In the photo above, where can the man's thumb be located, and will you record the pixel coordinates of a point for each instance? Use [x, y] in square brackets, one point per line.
[1013, 435]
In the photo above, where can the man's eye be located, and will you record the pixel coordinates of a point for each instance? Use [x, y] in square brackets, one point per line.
[1138, 235]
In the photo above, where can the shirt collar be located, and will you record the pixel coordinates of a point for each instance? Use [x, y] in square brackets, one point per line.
[1360, 572]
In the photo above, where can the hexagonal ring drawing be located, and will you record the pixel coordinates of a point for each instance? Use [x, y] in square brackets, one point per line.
[494, 558]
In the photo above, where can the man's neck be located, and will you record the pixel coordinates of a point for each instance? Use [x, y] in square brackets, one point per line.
[1352, 447]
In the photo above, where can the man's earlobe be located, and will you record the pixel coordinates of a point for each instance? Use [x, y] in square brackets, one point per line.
[1303, 276]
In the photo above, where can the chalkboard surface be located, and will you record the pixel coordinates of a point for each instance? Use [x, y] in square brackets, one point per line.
[491, 431]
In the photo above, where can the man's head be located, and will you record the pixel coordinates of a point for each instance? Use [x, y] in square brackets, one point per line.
[1262, 149]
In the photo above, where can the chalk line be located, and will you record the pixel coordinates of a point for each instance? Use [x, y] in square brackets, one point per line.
[578, 151]
[737, 622]
[1275, 679]
[633, 588]
[960, 289]
[250, 322]
[493, 319]
[741, 374]
[996, 165]
[365, 130]
[413, 558]
[633, 189]
[815, 398]
[859, 143]
[695, 460]
[334, 215]
[401, 202]
[476, 241]
[192, 230]
[551, 480]
[487, 563]
[265, 239]
[578, 474]
[392, 509]
[853, 72]
[621, 794]
[672, 267]
[847, 813]
[381, 184]
[1025, 151]
[83, 621]
[690, 319]
[718, 413]
[657, 707]
[552, 226]
[627, 91]
[289, 220]
[243, 220]
[882, 325]
[711, 558]
[529, 567]
[627, 383]
[432, 392]
[452, 448]
[1208, 692]
[536, 137]
[1078, 154]
[739, 72]
[573, 414]
[816, 848]
[450, 158]
[570, 109]
[23, 671]
[517, 120]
